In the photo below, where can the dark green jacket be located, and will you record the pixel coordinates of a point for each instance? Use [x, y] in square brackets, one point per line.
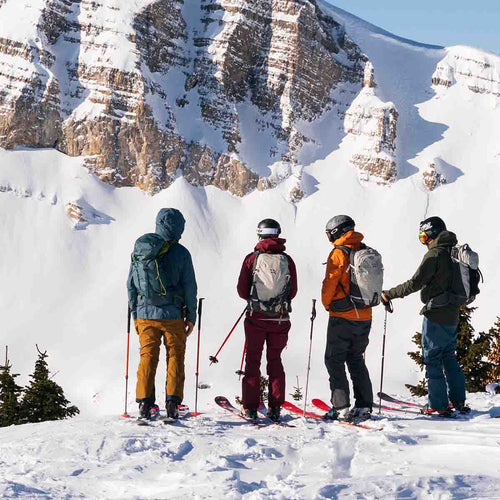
[432, 278]
[176, 268]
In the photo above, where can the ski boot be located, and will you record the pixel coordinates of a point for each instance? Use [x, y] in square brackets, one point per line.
[331, 414]
[274, 413]
[251, 414]
[144, 410]
[172, 409]
[461, 407]
[358, 414]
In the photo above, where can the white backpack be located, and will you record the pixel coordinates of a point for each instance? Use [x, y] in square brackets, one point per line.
[367, 276]
[270, 292]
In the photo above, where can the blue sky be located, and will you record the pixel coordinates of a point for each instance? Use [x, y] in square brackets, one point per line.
[440, 22]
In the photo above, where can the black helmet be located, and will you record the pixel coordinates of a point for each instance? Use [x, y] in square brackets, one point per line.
[430, 229]
[268, 228]
[338, 225]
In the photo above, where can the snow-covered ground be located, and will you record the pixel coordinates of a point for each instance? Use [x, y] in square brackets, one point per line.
[219, 456]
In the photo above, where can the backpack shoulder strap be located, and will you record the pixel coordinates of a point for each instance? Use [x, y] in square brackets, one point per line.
[254, 263]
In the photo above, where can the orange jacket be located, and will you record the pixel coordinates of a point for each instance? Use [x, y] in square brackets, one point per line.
[337, 272]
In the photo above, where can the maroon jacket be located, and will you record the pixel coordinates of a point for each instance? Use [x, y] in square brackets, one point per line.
[267, 245]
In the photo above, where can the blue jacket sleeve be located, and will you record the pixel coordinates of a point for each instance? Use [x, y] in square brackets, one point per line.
[132, 294]
[190, 289]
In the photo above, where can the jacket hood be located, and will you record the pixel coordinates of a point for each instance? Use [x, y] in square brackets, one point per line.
[170, 224]
[349, 239]
[147, 247]
[444, 239]
[271, 245]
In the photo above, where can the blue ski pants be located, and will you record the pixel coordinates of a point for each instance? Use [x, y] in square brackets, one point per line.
[445, 379]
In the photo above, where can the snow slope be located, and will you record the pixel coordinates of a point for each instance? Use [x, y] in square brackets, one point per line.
[216, 456]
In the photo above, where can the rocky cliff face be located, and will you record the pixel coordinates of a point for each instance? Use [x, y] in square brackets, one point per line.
[148, 90]
[373, 124]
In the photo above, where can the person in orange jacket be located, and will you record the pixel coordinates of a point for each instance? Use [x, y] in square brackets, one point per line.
[348, 327]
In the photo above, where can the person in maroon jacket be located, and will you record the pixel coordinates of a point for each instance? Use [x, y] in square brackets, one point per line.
[268, 281]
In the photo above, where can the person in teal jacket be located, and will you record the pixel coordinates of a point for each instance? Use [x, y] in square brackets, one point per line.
[162, 298]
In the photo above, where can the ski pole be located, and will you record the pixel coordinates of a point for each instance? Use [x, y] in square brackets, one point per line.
[213, 359]
[388, 309]
[129, 314]
[240, 372]
[200, 308]
[313, 317]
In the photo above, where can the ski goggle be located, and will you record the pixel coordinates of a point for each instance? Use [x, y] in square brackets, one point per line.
[422, 236]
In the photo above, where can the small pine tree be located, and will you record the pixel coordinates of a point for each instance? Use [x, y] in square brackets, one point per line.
[43, 398]
[10, 407]
[472, 352]
[494, 355]
[297, 395]
[421, 388]
[264, 389]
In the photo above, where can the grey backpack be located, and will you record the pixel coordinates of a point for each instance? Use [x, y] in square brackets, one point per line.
[465, 279]
[367, 275]
[270, 292]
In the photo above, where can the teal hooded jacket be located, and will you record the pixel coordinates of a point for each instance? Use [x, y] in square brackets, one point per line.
[174, 267]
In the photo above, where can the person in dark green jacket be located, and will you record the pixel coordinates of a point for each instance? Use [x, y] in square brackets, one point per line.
[445, 379]
[162, 298]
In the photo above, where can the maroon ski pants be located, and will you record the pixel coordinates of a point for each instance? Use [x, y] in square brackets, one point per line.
[275, 335]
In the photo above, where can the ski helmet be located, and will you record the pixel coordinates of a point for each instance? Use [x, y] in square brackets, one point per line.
[268, 228]
[338, 225]
[430, 229]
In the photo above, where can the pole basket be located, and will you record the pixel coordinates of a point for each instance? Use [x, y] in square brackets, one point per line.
[240, 372]
[213, 359]
[125, 415]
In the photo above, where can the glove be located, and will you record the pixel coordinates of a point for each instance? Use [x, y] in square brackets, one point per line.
[385, 299]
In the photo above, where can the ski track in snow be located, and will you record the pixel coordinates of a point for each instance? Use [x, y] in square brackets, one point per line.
[215, 455]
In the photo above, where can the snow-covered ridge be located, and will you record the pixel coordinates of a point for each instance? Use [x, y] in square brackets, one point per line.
[477, 70]
[216, 456]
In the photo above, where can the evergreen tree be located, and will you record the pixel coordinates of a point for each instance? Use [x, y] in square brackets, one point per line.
[421, 388]
[43, 398]
[472, 352]
[9, 397]
[494, 355]
[297, 395]
[264, 389]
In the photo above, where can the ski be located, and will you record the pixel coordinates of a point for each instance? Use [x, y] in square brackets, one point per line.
[399, 410]
[224, 403]
[263, 411]
[390, 399]
[157, 417]
[321, 405]
[295, 409]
